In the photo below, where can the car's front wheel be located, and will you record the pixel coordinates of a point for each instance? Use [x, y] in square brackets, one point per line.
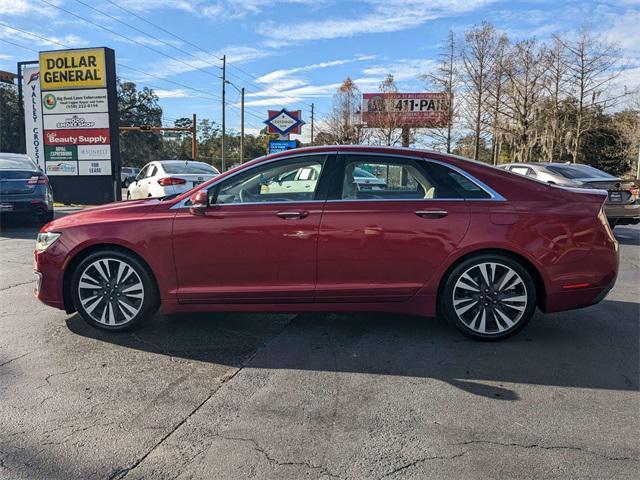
[113, 290]
[489, 297]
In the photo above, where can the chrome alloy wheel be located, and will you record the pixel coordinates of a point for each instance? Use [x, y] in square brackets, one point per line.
[490, 298]
[111, 291]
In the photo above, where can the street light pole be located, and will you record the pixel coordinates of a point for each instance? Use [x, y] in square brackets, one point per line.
[242, 126]
[224, 84]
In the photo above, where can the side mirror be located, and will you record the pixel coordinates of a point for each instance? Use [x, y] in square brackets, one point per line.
[199, 203]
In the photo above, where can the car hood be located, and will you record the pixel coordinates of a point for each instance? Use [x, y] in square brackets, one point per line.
[103, 213]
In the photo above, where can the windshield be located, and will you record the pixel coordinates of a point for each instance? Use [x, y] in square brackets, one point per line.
[16, 163]
[359, 172]
[189, 167]
[578, 171]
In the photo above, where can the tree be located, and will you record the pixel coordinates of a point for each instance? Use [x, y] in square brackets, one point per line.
[388, 131]
[498, 79]
[591, 68]
[555, 87]
[10, 140]
[446, 79]
[137, 108]
[477, 62]
[343, 124]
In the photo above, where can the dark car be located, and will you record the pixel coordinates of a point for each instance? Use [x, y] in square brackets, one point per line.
[622, 206]
[25, 192]
[444, 235]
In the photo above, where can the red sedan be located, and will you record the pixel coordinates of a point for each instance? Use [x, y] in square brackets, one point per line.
[298, 231]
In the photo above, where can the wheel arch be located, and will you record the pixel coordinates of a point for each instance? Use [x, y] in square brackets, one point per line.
[526, 263]
[82, 254]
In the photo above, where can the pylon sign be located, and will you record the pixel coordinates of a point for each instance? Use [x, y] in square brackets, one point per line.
[284, 122]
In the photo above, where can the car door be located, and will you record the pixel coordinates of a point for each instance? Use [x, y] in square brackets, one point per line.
[253, 244]
[134, 188]
[383, 245]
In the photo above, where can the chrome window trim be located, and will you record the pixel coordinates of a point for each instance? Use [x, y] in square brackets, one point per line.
[182, 203]
[495, 196]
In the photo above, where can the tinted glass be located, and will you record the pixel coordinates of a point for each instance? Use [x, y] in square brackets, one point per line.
[464, 186]
[395, 179]
[578, 171]
[17, 163]
[286, 181]
[191, 167]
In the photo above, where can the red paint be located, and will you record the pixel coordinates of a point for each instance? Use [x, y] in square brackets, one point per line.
[345, 256]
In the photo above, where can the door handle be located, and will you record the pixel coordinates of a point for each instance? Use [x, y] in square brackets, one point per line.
[289, 215]
[432, 213]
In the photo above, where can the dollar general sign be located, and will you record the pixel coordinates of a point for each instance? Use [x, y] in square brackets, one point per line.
[72, 69]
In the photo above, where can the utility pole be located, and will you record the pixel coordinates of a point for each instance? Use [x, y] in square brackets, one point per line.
[224, 85]
[194, 140]
[242, 125]
[312, 107]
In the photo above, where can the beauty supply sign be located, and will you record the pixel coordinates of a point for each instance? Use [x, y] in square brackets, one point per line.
[78, 124]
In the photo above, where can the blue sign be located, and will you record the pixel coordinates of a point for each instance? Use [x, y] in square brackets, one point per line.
[276, 146]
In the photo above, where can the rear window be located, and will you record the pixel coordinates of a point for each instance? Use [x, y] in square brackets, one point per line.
[17, 163]
[177, 168]
[462, 184]
[578, 171]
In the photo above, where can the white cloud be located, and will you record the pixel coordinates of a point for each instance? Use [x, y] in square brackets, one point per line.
[403, 70]
[384, 16]
[32, 39]
[277, 75]
[176, 93]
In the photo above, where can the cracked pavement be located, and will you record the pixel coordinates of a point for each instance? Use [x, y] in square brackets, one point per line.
[229, 396]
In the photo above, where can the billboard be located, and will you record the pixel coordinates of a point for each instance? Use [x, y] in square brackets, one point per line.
[419, 110]
[80, 124]
[33, 114]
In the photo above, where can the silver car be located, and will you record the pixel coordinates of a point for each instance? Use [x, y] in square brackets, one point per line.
[622, 207]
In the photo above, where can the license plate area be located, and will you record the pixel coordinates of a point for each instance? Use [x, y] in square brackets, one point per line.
[6, 207]
[615, 197]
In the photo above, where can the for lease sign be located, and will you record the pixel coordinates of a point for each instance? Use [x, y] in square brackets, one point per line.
[83, 68]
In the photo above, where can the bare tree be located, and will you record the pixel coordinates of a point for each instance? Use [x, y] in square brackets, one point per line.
[388, 130]
[555, 84]
[343, 124]
[498, 79]
[524, 90]
[477, 62]
[591, 66]
[446, 79]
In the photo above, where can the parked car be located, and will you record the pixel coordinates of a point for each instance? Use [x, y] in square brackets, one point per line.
[127, 175]
[25, 191]
[622, 206]
[457, 238]
[169, 177]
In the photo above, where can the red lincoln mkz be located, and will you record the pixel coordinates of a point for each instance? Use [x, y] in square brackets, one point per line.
[338, 229]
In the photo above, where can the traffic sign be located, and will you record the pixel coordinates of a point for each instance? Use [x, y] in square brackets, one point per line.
[276, 146]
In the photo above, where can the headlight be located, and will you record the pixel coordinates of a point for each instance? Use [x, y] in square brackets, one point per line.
[45, 240]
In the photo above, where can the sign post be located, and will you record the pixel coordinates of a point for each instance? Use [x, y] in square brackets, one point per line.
[80, 121]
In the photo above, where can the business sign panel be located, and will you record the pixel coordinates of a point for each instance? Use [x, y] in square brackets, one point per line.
[86, 136]
[276, 146]
[80, 122]
[62, 168]
[73, 121]
[284, 122]
[419, 110]
[84, 68]
[75, 101]
[32, 113]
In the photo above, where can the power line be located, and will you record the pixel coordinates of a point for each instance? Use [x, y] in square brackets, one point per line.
[160, 52]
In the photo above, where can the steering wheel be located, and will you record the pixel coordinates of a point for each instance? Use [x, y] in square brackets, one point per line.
[244, 195]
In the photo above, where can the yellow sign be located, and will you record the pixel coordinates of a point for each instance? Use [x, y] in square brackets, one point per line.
[72, 69]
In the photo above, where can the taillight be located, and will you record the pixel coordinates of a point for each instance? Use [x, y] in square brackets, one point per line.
[166, 181]
[37, 180]
[634, 192]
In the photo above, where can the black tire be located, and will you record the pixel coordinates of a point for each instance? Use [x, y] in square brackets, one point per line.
[124, 298]
[495, 299]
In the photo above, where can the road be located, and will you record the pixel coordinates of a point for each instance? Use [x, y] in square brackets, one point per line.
[230, 396]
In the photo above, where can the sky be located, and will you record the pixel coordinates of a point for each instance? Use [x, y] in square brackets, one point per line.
[289, 53]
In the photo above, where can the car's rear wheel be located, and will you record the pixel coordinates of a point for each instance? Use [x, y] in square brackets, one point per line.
[113, 290]
[489, 297]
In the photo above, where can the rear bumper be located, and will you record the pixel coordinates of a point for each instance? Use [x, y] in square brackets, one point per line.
[34, 203]
[629, 212]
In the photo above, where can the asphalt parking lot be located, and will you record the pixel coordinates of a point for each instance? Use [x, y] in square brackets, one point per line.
[229, 396]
